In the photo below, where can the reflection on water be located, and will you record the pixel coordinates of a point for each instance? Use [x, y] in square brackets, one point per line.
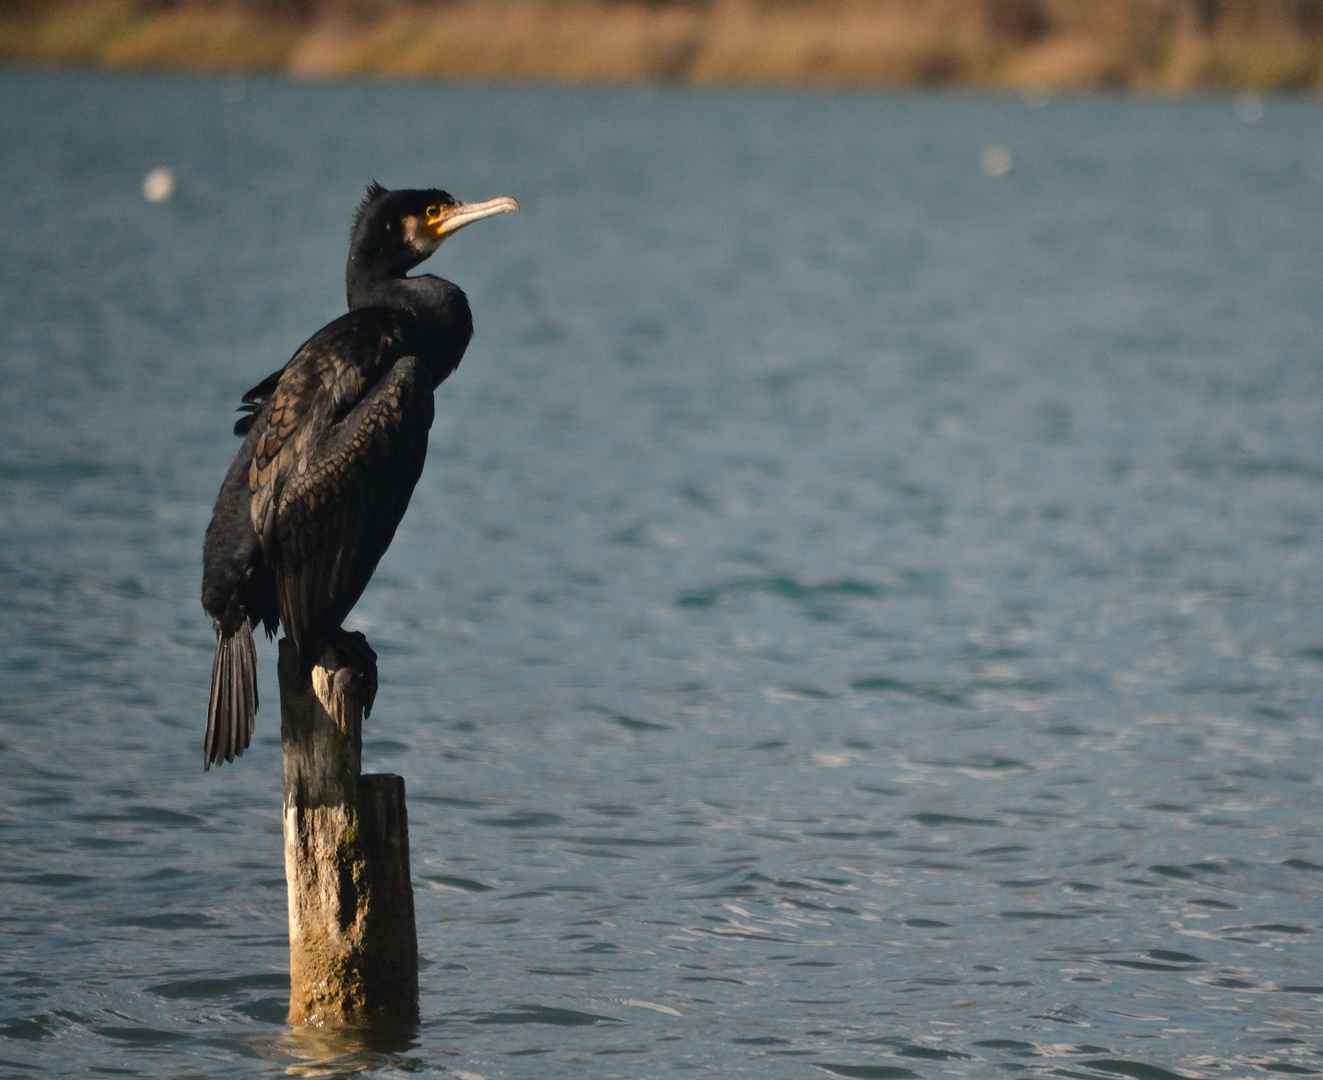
[341, 1051]
[860, 616]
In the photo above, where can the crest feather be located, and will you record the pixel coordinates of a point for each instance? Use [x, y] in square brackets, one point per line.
[374, 192]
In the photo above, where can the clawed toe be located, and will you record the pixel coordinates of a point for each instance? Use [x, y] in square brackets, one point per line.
[356, 655]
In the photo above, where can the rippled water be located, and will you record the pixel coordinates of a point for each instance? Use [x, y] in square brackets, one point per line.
[860, 617]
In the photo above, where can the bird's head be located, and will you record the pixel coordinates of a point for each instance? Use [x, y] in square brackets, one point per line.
[396, 230]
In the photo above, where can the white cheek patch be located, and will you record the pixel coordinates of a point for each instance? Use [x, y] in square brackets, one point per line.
[416, 238]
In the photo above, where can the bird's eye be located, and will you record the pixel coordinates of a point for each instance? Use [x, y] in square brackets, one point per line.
[433, 212]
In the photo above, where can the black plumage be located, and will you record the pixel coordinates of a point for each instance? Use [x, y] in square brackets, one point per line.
[333, 445]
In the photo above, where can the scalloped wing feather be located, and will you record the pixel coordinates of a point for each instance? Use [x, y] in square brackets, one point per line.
[335, 516]
[315, 390]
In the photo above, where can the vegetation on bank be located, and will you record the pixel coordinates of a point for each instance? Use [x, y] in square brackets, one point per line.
[1160, 45]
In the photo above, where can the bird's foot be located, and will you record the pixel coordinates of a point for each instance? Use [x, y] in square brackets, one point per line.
[355, 658]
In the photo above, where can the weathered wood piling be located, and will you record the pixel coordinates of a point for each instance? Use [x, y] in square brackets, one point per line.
[353, 945]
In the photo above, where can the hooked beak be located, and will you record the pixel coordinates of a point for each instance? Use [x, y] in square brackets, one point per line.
[453, 218]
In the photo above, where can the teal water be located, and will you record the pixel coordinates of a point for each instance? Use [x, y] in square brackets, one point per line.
[860, 617]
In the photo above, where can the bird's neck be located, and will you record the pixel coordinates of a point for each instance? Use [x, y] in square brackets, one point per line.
[438, 310]
[367, 288]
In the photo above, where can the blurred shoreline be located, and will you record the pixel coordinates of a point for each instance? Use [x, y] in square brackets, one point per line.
[1143, 45]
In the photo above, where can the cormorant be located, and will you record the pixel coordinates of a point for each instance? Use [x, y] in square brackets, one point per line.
[333, 445]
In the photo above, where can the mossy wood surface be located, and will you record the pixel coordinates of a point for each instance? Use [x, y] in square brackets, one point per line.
[352, 940]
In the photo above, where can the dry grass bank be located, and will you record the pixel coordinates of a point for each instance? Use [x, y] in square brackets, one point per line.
[1144, 44]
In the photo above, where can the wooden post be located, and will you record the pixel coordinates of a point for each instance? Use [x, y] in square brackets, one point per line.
[353, 946]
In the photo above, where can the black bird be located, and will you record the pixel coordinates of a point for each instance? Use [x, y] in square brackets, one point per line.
[333, 445]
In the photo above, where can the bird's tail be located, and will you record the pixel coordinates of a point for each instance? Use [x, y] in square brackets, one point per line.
[232, 712]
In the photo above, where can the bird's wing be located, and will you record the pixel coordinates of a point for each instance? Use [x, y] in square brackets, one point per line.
[337, 514]
[253, 401]
[324, 379]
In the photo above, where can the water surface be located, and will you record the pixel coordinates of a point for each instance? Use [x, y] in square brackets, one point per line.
[860, 617]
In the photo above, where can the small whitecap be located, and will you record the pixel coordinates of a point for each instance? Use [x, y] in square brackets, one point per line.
[1249, 107]
[833, 759]
[950, 427]
[1035, 97]
[996, 161]
[158, 185]
[636, 1003]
